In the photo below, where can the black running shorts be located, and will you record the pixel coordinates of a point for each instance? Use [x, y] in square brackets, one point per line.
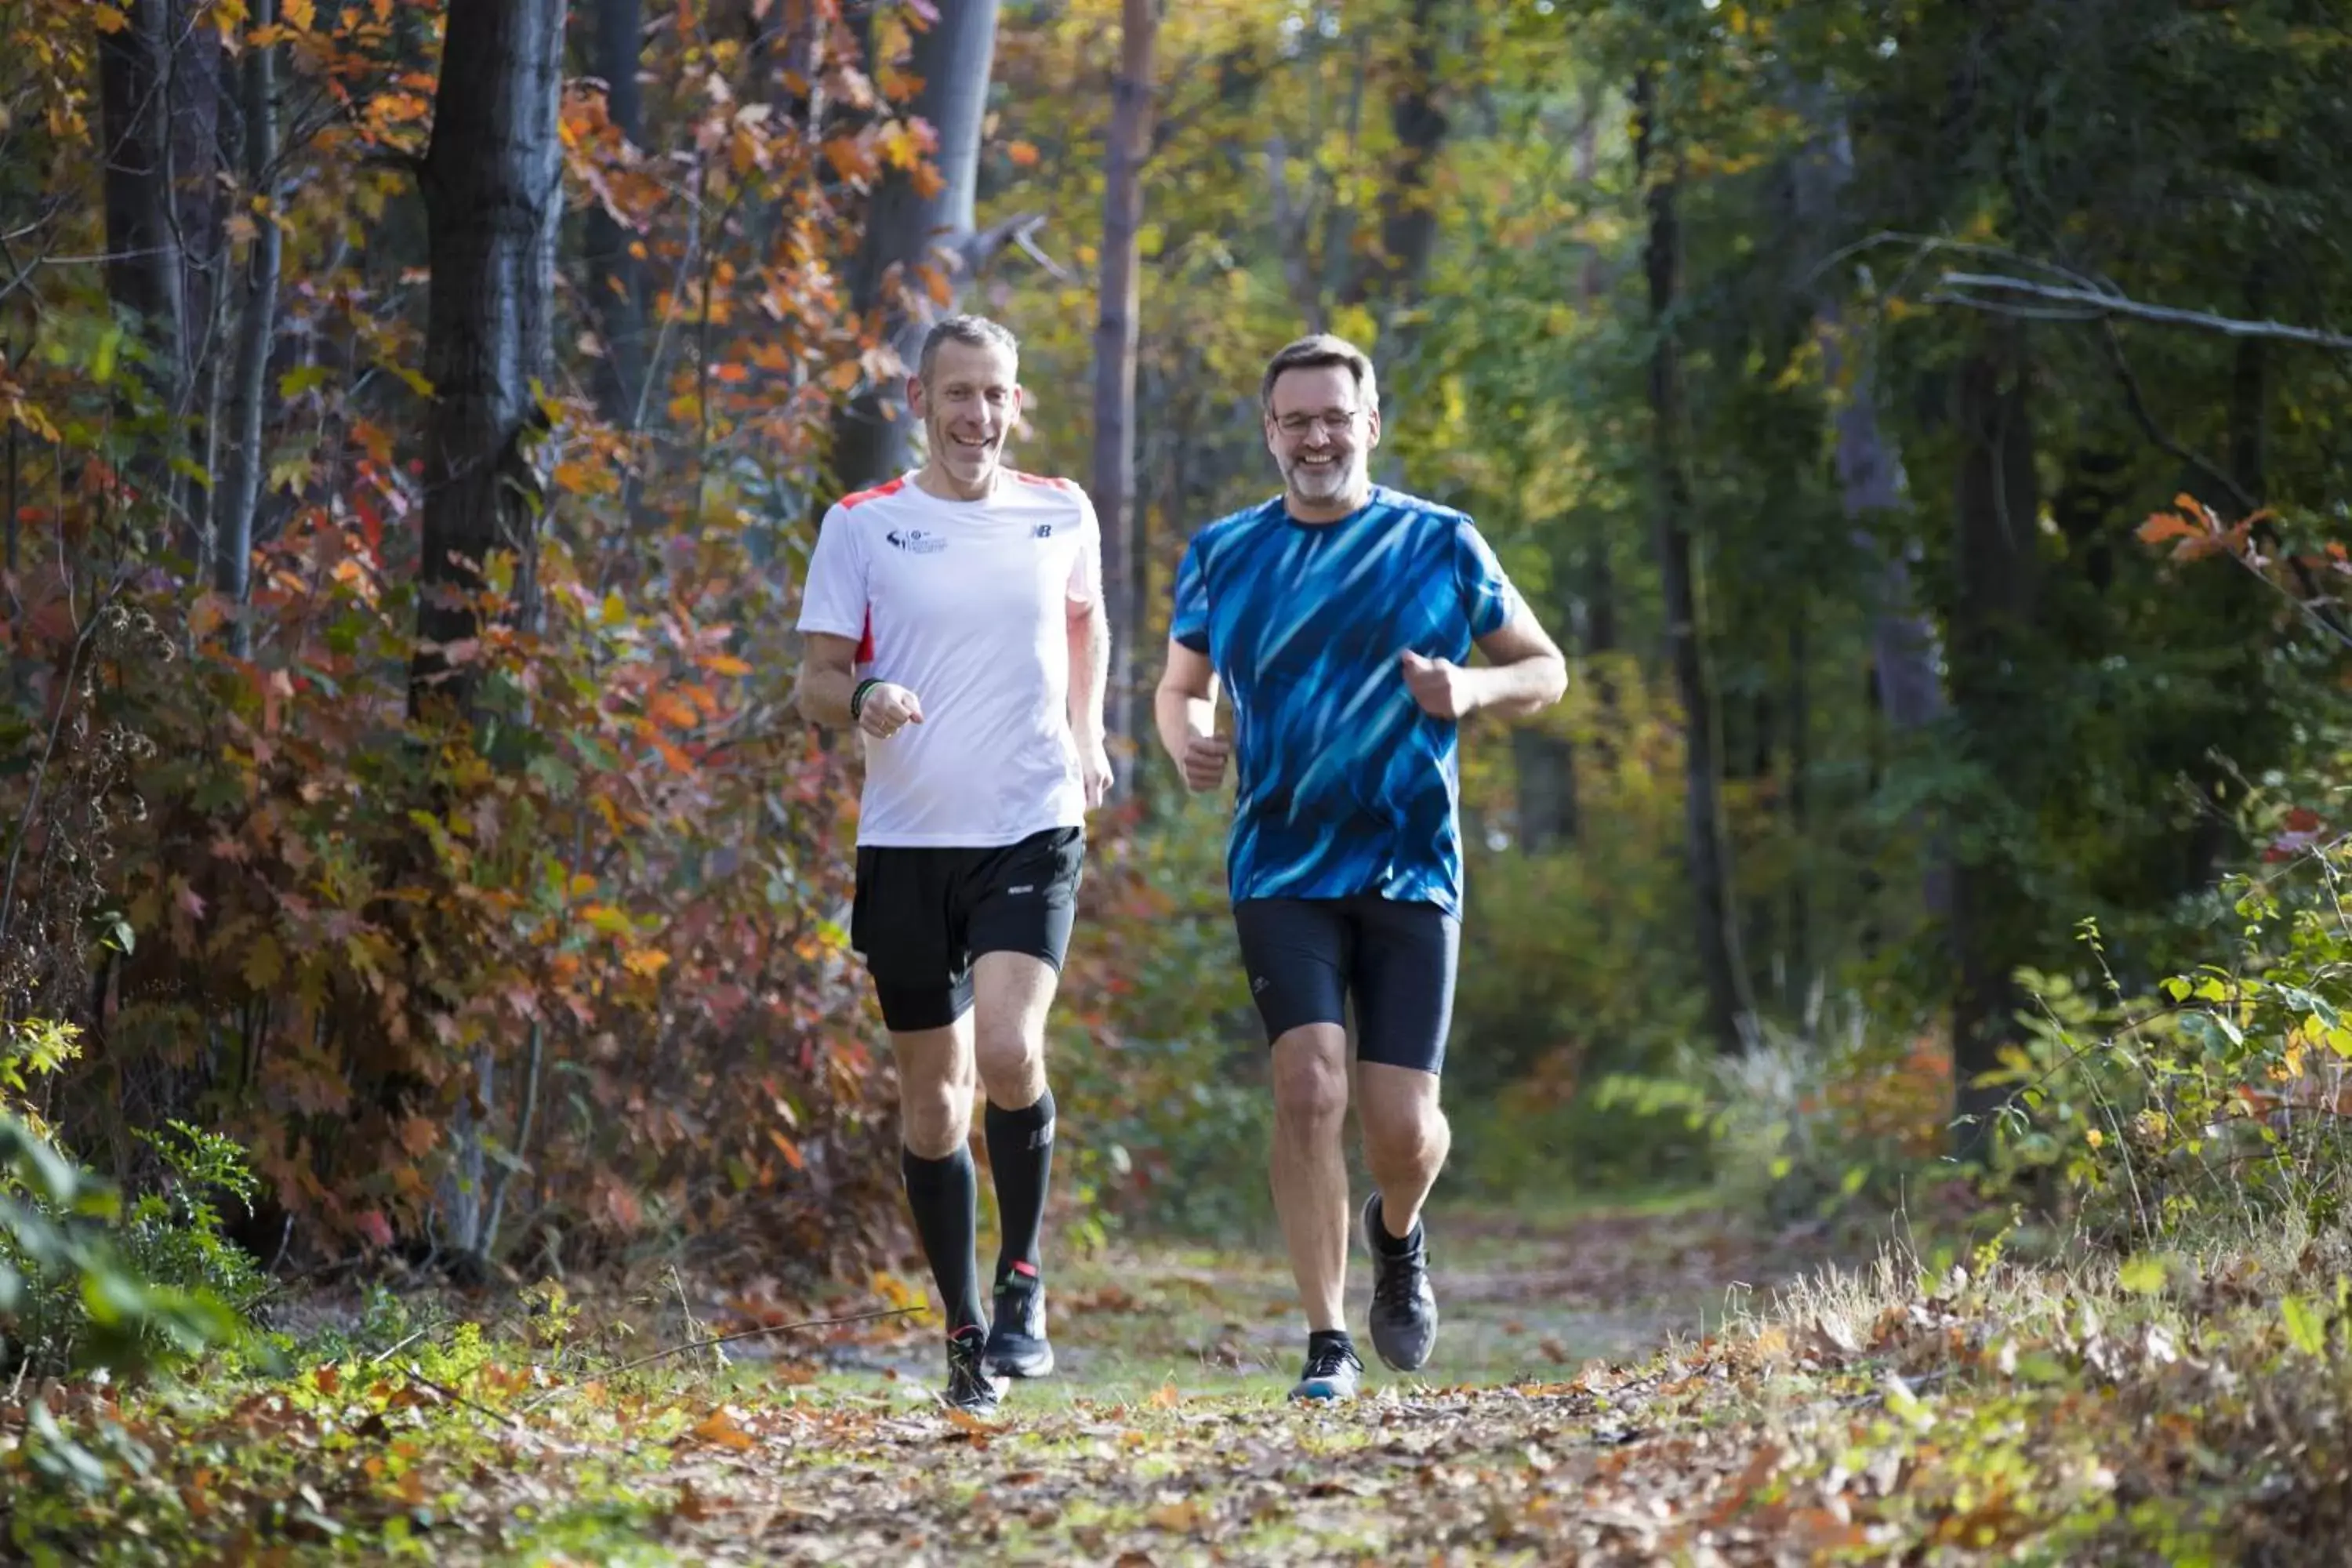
[922, 915]
[1306, 957]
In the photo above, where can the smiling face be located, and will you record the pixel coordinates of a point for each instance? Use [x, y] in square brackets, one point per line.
[968, 399]
[1322, 433]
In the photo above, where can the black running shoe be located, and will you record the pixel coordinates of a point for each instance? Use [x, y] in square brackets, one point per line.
[970, 1388]
[1404, 1309]
[1333, 1369]
[1017, 1341]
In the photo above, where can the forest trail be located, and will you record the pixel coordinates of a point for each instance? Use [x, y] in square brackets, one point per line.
[1166, 1439]
[1590, 1404]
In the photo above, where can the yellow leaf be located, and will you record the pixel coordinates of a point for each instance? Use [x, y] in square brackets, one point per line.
[264, 964]
[110, 18]
[297, 15]
[646, 961]
[607, 919]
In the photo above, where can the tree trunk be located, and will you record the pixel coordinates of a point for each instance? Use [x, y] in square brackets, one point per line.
[1542, 765]
[1729, 1008]
[1905, 654]
[256, 328]
[617, 278]
[1546, 765]
[1800, 947]
[907, 231]
[145, 274]
[493, 193]
[493, 198]
[1996, 504]
[1408, 214]
[1117, 326]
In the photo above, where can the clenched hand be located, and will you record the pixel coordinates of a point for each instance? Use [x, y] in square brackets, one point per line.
[1440, 686]
[888, 709]
[1204, 761]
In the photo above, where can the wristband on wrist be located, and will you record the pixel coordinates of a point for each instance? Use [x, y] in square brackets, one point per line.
[857, 696]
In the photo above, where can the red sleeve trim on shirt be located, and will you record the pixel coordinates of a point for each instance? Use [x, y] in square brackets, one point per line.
[891, 488]
[1048, 480]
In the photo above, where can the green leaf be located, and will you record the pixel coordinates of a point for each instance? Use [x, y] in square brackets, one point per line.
[2304, 1325]
[2142, 1275]
[302, 379]
[416, 382]
[35, 1162]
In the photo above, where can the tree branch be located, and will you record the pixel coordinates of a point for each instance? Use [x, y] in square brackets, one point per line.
[2172, 447]
[2312, 601]
[2093, 302]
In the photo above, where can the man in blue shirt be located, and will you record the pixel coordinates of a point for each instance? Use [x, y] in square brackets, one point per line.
[1339, 616]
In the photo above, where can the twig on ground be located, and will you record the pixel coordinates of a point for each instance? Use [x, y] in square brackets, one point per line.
[385, 1355]
[417, 1376]
[647, 1360]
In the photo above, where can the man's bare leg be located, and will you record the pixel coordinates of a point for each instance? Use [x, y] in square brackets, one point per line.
[1405, 1142]
[1406, 1139]
[1310, 1166]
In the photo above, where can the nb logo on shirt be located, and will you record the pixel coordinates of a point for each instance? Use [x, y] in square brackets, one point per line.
[1044, 531]
[916, 541]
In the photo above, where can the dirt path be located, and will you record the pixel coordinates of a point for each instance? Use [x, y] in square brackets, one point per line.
[544, 1436]
[1166, 1438]
[1577, 1412]
[1524, 1297]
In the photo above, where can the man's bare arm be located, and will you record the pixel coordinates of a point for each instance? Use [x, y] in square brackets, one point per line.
[1524, 672]
[828, 675]
[1185, 705]
[1089, 670]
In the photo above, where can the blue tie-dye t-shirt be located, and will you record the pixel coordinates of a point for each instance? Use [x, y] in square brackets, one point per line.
[1346, 787]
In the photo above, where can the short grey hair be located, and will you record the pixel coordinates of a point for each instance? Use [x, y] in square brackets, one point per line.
[976, 331]
[1316, 353]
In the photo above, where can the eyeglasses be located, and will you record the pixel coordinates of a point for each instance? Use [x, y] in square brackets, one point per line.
[1335, 422]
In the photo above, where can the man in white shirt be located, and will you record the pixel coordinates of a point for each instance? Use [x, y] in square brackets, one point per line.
[954, 616]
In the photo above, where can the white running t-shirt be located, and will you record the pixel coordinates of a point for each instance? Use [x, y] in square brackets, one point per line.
[967, 605]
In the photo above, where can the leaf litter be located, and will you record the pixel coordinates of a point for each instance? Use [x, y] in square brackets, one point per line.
[1868, 1416]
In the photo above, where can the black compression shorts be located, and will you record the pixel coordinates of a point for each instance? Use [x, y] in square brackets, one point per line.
[1307, 957]
[922, 915]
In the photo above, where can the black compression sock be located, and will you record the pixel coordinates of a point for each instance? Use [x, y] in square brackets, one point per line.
[1021, 1151]
[1317, 1339]
[1391, 1246]
[944, 1197]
